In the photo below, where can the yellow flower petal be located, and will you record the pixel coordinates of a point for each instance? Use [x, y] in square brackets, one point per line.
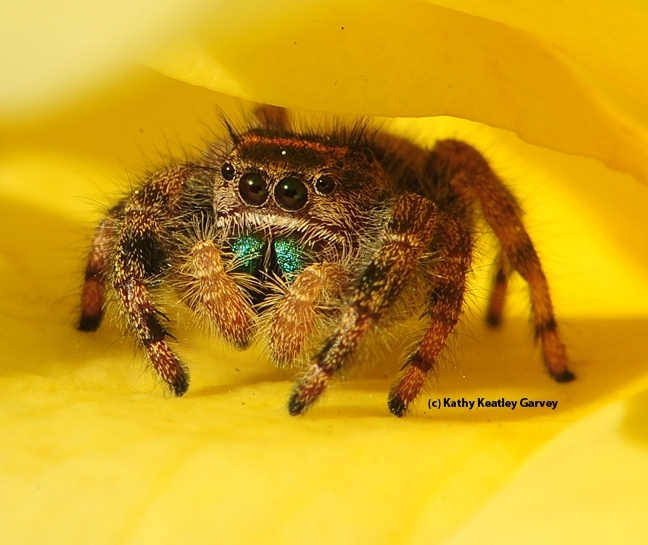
[570, 491]
[52, 52]
[538, 75]
[94, 453]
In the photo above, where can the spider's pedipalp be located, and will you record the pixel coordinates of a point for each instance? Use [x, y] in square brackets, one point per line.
[207, 288]
[294, 314]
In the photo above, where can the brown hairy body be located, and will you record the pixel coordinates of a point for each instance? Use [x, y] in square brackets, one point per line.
[313, 238]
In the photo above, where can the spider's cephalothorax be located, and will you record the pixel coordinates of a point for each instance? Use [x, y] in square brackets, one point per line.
[313, 239]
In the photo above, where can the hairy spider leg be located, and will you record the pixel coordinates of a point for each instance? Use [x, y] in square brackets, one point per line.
[294, 315]
[139, 263]
[93, 294]
[407, 236]
[472, 180]
[498, 293]
[272, 117]
[212, 293]
[446, 299]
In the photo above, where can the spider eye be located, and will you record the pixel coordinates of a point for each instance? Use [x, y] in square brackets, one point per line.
[253, 189]
[325, 185]
[228, 172]
[291, 194]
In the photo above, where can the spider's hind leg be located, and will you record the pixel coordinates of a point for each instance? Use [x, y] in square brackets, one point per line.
[93, 294]
[472, 181]
[498, 293]
[272, 117]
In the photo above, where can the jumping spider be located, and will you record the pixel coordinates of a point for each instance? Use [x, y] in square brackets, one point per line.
[313, 236]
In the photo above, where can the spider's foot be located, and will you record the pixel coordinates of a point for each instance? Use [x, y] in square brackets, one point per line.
[297, 406]
[554, 352]
[397, 406]
[169, 368]
[564, 376]
[180, 385]
[308, 390]
[493, 320]
[89, 324]
[409, 386]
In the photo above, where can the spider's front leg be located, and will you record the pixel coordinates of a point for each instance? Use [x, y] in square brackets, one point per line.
[140, 259]
[129, 252]
[445, 302]
[407, 236]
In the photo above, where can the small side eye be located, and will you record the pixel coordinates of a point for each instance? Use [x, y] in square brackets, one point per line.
[253, 189]
[228, 172]
[325, 185]
[291, 194]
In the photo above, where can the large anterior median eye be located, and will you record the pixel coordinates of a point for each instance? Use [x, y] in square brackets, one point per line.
[291, 194]
[253, 189]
